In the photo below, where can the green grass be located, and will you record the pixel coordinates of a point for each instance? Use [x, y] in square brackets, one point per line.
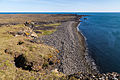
[45, 32]
[52, 24]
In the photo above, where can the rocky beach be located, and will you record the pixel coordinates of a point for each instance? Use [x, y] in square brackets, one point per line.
[72, 47]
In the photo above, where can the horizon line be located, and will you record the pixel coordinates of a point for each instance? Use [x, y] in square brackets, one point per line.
[59, 11]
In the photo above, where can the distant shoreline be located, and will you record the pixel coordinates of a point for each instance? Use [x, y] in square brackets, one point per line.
[40, 12]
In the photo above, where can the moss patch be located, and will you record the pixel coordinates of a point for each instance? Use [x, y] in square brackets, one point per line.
[45, 32]
[52, 24]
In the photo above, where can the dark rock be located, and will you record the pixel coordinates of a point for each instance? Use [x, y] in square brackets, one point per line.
[51, 62]
[38, 32]
[20, 43]
[20, 33]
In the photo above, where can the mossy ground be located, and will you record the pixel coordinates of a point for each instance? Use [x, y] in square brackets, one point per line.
[21, 59]
[54, 24]
[47, 32]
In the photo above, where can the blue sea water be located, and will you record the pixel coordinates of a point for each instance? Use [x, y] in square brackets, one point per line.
[102, 31]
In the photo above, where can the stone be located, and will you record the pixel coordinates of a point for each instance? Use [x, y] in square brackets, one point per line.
[20, 33]
[34, 35]
[55, 71]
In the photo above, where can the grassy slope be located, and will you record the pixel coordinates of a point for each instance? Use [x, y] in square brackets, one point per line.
[38, 54]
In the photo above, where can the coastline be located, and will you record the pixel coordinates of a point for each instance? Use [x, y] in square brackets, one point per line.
[72, 46]
[89, 60]
[46, 47]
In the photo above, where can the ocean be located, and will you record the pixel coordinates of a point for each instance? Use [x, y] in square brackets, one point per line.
[102, 31]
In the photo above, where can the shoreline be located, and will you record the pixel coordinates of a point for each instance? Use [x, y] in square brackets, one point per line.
[72, 46]
[88, 57]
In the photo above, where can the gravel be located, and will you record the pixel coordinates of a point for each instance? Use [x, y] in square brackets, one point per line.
[73, 53]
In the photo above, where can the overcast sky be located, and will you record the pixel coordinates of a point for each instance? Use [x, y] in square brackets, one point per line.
[59, 5]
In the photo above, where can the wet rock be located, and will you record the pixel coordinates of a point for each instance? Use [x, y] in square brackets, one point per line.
[83, 76]
[85, 18]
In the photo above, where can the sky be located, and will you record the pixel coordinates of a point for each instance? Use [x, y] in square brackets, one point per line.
[61, 5]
